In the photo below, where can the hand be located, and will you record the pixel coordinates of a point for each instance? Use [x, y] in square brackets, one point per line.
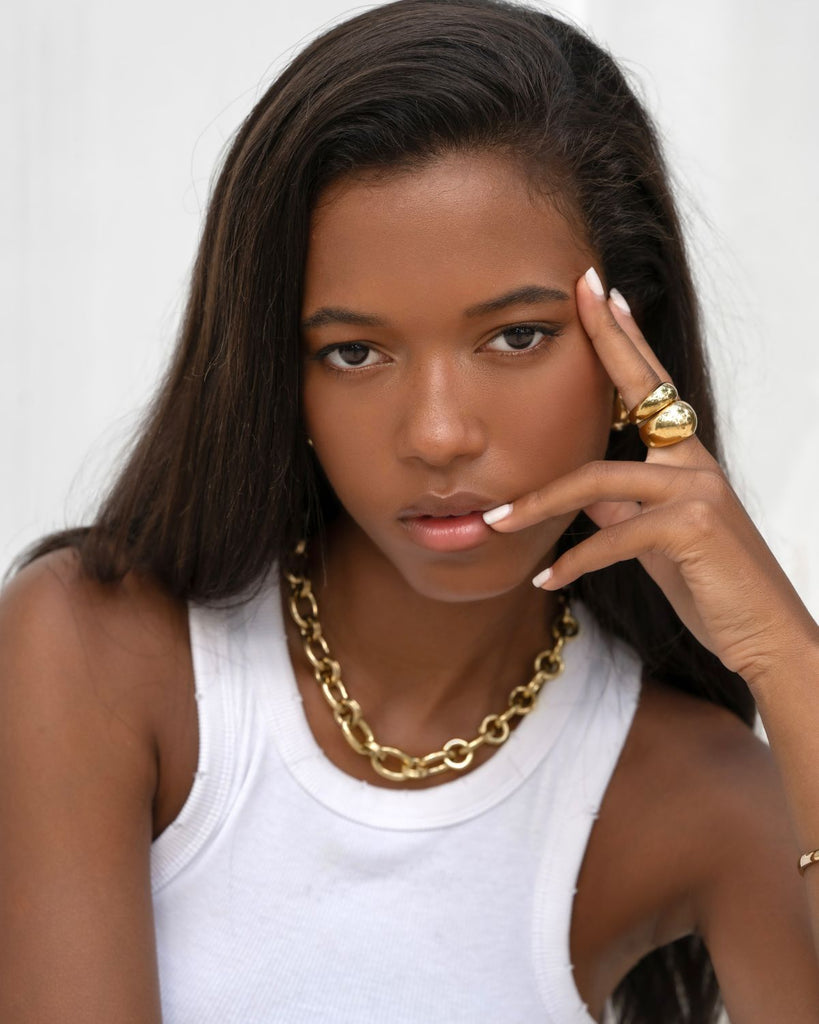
[677, 514]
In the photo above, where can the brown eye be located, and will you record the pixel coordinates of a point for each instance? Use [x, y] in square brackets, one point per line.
[349, 356]
[353, 355]
[520, 338]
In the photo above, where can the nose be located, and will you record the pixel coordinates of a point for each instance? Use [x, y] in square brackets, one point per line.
[440, 414]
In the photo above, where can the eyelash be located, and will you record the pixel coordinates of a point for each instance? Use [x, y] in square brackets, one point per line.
[550, 333]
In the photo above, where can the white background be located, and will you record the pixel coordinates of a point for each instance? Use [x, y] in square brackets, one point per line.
[113, 117]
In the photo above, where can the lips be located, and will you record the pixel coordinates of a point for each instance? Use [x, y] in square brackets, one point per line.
[454, 505]
[448, 523]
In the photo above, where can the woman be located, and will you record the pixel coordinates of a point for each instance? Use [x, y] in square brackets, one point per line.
[274, 745]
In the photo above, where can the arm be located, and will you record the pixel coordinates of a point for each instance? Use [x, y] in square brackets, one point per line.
[787, 695]
[748, 898]
[77, 779]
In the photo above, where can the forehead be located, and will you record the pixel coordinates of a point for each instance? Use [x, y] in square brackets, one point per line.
[460, 224]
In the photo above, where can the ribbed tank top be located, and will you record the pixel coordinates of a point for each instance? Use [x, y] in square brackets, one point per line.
[288, 891]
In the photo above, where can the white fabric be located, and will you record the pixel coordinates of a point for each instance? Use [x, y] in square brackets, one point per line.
[287, 891]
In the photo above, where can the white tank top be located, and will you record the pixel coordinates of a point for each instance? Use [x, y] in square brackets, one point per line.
[287, 891]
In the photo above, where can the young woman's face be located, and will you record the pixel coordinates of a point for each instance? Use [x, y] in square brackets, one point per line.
[448, 372]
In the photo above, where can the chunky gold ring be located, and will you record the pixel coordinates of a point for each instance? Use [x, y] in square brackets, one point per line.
[664, 394]
[672, 424]
[619, 413]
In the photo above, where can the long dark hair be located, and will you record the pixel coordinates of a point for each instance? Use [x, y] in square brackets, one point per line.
[220, 483]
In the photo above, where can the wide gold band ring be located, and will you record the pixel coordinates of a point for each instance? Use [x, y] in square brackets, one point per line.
[663, 395]
[672, 424]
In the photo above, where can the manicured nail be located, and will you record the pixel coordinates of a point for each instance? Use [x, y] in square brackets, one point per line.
[618, 300]
[594, 282]
[542, 577]
[494, 515]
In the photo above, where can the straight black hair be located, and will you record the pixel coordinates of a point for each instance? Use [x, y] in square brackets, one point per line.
[220, 483]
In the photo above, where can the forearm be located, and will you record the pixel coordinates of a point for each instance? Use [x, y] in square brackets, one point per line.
[787, 696]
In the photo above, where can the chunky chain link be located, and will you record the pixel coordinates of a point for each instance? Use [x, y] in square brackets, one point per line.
[456, 754]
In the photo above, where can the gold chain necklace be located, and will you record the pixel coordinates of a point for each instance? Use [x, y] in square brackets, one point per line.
[456, 754]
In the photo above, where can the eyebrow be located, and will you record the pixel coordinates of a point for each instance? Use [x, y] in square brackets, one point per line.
[525, 295]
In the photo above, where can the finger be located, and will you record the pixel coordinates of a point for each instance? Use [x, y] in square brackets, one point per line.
[609, 513]
[607, 481]
[621, 312]
[693, 452]
[632, 373]
[650, 532]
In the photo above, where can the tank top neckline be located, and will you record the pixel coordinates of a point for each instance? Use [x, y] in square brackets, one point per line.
[459, 799]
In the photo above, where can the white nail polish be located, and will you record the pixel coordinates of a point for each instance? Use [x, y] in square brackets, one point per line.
[542, 577]
[619, 301]
[494, 515]
[594, 282]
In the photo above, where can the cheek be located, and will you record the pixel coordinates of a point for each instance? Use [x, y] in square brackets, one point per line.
[562, 416]
[584, 405]
[346, 433]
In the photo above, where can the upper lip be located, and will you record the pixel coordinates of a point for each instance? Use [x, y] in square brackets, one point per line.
[456, 504]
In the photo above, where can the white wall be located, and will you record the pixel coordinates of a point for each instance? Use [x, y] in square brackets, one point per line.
[113, 117]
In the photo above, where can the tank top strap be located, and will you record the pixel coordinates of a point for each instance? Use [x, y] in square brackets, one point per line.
[582, 766]
[228, 731]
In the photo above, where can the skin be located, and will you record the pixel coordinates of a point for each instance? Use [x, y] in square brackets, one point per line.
[442, 405]
[99, 679]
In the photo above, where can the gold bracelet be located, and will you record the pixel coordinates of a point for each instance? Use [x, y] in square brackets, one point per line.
[807, 859]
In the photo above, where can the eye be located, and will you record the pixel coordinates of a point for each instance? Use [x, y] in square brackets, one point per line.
[349, 356]
[521, 338]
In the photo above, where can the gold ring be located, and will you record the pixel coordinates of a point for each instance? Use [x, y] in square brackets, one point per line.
[672, 424]
[620, 413]
[662, 396]
[807, 859]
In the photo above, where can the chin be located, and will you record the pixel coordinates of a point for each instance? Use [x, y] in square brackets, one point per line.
[460, 582]
[506, 563]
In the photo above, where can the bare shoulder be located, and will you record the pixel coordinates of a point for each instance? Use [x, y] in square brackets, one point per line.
[57, 626]
[672, 716]
[87, 656]
[55, 596]
[706, 772]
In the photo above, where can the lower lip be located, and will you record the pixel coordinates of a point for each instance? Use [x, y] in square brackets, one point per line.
[449, 533]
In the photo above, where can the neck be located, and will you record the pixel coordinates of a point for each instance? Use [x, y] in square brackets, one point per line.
[423, 670]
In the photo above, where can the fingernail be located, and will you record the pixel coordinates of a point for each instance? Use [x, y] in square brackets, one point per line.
[542, 577]
[594, 282]
[619, 301]
[494, 515]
